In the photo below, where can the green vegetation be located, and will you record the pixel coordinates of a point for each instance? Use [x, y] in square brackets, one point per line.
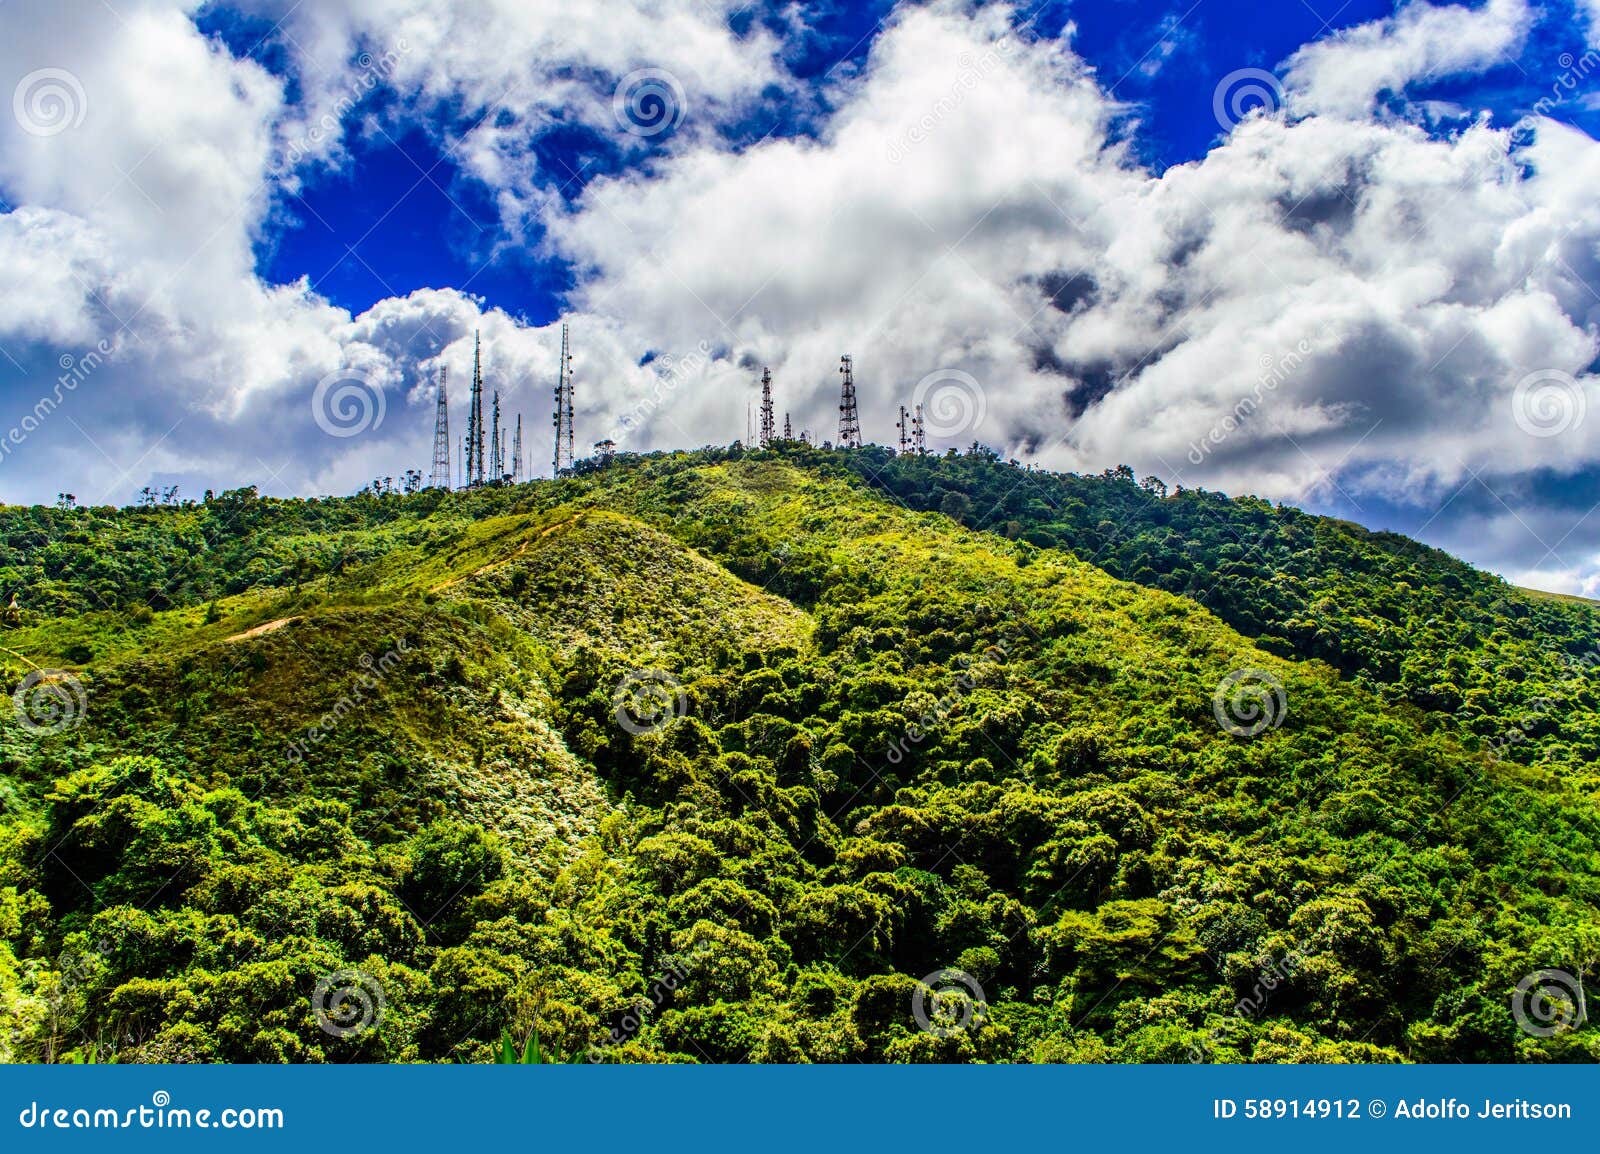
[725, 757]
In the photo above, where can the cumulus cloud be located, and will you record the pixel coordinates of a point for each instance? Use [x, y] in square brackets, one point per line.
[1376, 293]
[1350, 72]
[146, 162]
[1341, 302]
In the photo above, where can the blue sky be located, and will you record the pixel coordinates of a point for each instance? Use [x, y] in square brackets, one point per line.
[1162, 59]
[239, 241]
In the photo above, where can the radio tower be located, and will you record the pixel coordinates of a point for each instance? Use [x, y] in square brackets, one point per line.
[475, 461]
[768, 430]
[563, 414]
[788, 429]
[440, 478]
[905, 429]
[919, 441]
[497, 464]
[516, 454]
[849, 423]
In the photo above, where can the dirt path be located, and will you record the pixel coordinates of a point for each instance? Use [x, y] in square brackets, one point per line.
[260, 629]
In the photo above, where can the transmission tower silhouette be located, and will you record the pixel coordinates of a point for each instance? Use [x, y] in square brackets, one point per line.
[768, 429]
[563, 413]
[440, 477]
[475, 461]
[849, 422]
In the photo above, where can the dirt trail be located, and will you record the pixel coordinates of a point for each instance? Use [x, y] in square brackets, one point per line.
[260, 629]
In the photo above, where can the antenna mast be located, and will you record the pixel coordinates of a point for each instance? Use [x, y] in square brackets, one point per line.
[563, 414]
[497, 446]
[516, 454]
[475, 461]
[440, 478]
[788, 429]
[768, 431]
[919, 440]
[849, 423]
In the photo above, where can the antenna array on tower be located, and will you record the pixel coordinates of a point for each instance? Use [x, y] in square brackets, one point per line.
[497, 445]
[475, 461]
[849, 422]
[440, 477]
[768, 431]
[563, 413]
[482, 457]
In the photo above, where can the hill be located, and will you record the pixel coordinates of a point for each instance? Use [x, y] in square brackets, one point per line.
[786, 756]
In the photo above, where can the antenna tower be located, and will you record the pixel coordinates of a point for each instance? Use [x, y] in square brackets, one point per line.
[919, 439]
[904, 427]
[768, 431]
[440, 478]
[563, 414]
[475, 461]
[849, 423]
[516, 454]
[788, 429]
[497, 464]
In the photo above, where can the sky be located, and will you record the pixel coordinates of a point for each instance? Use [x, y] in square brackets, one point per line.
[1345, 257]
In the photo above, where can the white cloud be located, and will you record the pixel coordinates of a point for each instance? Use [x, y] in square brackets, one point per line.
[1373, 292]
[1350, 72]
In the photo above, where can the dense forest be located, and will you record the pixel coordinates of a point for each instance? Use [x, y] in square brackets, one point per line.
[786, 756]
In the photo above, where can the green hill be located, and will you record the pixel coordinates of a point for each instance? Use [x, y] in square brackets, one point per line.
[791, 756]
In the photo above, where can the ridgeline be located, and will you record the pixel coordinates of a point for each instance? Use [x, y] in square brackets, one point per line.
[793, 755]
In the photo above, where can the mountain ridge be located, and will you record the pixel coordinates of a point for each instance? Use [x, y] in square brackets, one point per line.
[748, 721]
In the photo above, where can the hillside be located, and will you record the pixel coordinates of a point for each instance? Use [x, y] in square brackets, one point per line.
[721, 757]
